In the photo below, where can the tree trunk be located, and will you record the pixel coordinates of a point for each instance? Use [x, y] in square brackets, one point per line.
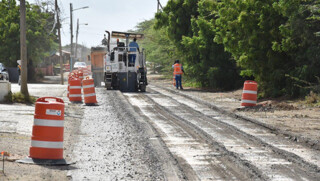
[23, 49]
[59, 34]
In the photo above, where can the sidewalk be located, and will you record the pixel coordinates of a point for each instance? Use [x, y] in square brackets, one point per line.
[18, 118]
[290, 118]
[16, 122]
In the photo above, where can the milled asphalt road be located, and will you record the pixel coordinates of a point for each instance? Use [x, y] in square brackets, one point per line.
[105, 142]
[157, 137]
[112, 144]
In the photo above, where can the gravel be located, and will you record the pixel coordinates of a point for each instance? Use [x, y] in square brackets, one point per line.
[112, 145]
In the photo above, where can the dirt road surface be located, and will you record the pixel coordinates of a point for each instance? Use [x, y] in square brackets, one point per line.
[163, 134]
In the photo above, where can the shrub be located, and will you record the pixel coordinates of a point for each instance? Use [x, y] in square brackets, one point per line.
[19, 98]
[312, 98]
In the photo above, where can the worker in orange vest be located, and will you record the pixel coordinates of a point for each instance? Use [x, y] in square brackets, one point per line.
[178, 70]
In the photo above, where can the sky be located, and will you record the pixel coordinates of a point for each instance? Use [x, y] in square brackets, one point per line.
[111, 15]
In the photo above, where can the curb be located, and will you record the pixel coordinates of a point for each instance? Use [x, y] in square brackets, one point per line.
[314, 144]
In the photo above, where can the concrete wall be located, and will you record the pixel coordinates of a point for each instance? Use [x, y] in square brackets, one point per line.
[5, 88]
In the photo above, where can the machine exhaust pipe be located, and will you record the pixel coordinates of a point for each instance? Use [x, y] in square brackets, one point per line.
[108, 40]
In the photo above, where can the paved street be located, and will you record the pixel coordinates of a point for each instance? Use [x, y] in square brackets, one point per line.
[157, 135]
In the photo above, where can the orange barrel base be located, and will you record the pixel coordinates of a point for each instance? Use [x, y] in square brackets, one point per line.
[46, 153]
[249, 94]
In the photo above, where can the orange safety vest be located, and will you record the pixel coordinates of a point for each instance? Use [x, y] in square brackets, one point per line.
[19, 67]
[177, 69]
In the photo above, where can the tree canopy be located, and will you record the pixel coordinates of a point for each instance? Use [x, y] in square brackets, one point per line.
[40, 38]
[188, 23]
[275, 42]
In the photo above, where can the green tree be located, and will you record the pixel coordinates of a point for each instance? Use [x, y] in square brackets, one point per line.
[269, 39]
[40, 39]
[299, 41]
[9, 32]
[207, 61]
[159, 49]
[176, 19]
[189, 25]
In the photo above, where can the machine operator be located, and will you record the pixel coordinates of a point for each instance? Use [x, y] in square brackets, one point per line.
[134, 47]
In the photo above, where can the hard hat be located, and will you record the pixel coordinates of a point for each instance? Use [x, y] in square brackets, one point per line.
[19, 62]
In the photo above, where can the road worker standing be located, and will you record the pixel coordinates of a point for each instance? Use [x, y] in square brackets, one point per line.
[178, 70]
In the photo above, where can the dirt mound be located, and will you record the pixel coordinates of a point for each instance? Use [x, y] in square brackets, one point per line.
[268, 106]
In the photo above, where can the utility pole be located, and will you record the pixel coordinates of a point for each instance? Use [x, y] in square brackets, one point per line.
[71, 45]
[23, 49]
[76, 51]
[59, 34]
[159, 6]
[71, 30]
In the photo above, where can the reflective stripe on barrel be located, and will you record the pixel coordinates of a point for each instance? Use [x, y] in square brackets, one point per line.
[249, 92]
[75, 87]
[75, 95]
[248, 101]
[46, 122]
[90, 95]
[47, 144]
[88, 86]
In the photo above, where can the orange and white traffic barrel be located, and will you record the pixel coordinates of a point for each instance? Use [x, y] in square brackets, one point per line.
[47, 132]
[249, 94]
[68, 89]
[67, 67]
[80, 74]
[71, 75]
[75, 90]
[89, 69]
[89, 93]
[85, 71]
[174, 80]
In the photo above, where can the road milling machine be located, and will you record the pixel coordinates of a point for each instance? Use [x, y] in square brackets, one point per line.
[120, 72]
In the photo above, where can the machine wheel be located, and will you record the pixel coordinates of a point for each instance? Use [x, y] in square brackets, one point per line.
[143, 88]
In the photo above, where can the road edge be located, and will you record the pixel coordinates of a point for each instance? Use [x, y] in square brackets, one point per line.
[314, 144]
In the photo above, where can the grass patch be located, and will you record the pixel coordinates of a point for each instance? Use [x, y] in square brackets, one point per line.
[186, 81]
[19, 98]
[312, 99]
[190, 82]
[193, 84]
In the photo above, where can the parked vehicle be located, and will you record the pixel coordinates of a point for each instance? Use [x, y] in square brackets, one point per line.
[4, 75]
[79, 64]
